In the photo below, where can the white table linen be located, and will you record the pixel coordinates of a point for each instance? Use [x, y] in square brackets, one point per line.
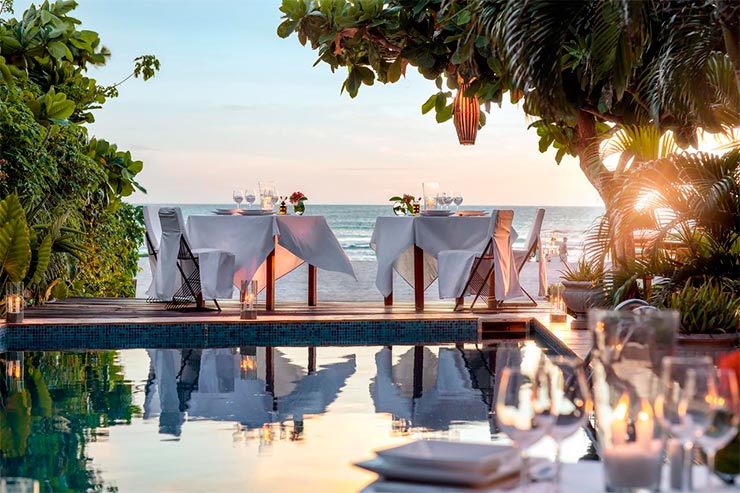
[455, 265]
[394, 237]
[581, 477]
[252, 238]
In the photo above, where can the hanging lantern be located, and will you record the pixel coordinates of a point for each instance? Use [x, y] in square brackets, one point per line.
[466, 114]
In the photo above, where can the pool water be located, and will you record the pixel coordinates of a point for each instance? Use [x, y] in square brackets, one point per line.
[250, 419]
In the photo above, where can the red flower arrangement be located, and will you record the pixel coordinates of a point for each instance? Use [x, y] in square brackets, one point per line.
[297, 197]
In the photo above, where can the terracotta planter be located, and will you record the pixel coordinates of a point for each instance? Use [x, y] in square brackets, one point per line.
[579, 297]
[707, 344]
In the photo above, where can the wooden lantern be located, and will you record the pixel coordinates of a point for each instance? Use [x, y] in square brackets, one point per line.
[466, 115]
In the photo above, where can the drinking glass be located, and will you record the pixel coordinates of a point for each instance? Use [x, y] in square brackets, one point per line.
[250, 197]
[458, 199]
[268, 195]
[726, 420]
[238, 196]
[571, 402]
[524, 409]
[684, 403]
[448, 198]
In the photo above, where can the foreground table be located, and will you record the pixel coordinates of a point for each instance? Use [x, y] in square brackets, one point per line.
[410, 246]
[268, 247]
[582, 477]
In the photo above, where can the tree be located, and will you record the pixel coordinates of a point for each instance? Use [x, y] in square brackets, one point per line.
[584, 68]
[70, 185]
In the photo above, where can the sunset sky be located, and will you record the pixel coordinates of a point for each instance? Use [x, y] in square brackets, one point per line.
[234, 104]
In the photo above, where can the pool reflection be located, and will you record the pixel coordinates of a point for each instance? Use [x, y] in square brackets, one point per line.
[214, 418]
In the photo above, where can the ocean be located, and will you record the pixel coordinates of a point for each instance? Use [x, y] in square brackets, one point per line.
[353, 227]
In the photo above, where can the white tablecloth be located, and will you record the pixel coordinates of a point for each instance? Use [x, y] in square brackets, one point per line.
[252, 238]
[394, 237]
[583, 477]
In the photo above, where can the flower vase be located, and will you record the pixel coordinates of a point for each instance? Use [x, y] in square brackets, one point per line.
[299, 208]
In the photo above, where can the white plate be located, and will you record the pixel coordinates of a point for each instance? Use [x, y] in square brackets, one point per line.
[436, 213]
[431, 474]
[257, 212]
[460, 456]
[227, 212]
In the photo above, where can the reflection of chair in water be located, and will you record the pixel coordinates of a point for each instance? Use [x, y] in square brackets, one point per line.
[165, 364]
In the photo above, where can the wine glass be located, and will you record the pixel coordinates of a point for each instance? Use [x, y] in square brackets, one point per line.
[238, 196]
[685, 402]
[524, 410]
[458, 199]
[571, 403]
[447, 197]
[250, 197]
[726, 420]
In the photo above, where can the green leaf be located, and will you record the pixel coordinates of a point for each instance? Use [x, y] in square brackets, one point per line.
[429, 104]
[394, 71]
[286, 28]
[15, 249]
[43, 257]
[445, 114]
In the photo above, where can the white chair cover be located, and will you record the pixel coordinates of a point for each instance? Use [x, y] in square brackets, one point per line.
[154, 232]
[534, 238]
[455, 265]
[216, 266]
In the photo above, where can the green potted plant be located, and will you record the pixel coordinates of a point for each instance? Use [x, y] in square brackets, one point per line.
[297, 200]
[710, 317]
[583, 288]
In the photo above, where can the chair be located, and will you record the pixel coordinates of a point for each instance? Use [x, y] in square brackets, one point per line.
[533, 244]
[489, 273]
[152, 233]
[177, 255]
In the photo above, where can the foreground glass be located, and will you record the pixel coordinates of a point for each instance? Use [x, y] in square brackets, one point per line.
[524, 409]
[628, 349]
[685, 401]
[725, 421]
[571, 403]
[19, 485]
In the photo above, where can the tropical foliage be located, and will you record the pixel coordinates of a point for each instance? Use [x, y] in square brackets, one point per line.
[583, 69]
[52, 405]
[62, 189]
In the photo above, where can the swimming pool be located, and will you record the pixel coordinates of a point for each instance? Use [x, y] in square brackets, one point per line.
[250, 418]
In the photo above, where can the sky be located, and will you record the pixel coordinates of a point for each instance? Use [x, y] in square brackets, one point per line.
[234, 104]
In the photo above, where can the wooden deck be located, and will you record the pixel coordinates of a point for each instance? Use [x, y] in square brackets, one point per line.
[512, 322]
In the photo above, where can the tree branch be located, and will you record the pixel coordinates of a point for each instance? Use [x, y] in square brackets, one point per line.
[351, 32]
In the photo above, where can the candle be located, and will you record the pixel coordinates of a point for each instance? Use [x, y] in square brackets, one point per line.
[645, 425]
[431, 202]
[619, 421]
[633, 465]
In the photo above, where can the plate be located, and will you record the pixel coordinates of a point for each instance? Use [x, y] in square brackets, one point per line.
[471, 213]
[228, 212]
[436, 213]
[257, 212]
[431, 474]
[460, 456]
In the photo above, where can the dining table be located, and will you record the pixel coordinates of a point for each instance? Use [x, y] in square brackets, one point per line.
[410, 246]
[267, 247]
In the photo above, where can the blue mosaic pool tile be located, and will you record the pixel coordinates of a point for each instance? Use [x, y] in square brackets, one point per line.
[230, 334]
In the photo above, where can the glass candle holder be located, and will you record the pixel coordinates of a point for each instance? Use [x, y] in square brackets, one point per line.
[558, 313]
[248, 300]
[628, 349]
[14, 302]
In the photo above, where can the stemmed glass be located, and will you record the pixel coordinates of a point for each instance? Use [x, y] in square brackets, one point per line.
[447, 197]
[726, 420]
[238, 196]
[571, 403]
[524, 409]
[250, 197]
[685, 403]
[458, 199]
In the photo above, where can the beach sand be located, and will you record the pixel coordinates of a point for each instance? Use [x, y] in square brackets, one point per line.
[333, 286]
